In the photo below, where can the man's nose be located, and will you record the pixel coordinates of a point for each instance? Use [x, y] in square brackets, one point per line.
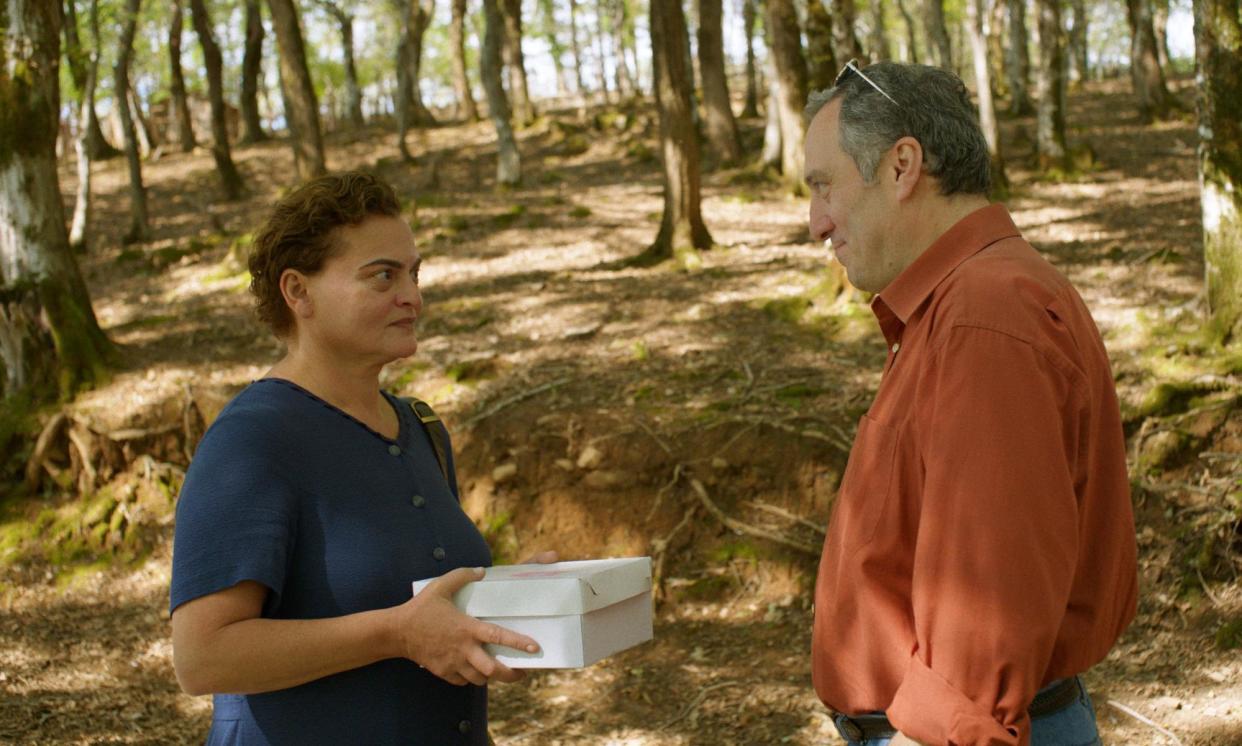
[820, 224]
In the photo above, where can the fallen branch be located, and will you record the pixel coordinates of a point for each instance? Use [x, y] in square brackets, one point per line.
[655, 437]
[1143, 719]
[746, 528]
[655, 504]
[514, 400]
[698, 700]
[42, 445]
[774, 510]
[659, 548]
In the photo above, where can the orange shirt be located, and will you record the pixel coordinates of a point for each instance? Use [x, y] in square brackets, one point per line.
[982, 542]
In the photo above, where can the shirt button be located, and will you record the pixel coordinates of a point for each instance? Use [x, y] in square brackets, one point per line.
[896, 347]
[394, 450]
[438, 553]
[419, 501]
[464, 726]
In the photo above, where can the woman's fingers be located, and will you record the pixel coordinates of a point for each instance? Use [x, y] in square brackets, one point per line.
[492, 634]
[450, 582]
[542, 558]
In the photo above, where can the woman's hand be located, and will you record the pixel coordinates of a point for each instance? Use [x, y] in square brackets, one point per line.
[433, 633]
[541, 558]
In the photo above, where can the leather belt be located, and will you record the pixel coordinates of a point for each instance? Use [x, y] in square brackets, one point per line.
[1052, 698]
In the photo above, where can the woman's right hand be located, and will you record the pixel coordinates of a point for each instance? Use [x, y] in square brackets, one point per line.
[433, 633]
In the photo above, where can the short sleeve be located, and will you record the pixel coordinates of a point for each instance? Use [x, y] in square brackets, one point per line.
[235, 517]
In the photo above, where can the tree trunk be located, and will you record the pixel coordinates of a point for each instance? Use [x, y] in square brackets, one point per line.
[941, 49]
[100, 148]
[790, 67]
[1050, 141]
[508, 163]
[751, 108]
[523, 110]
[844, 18]
[996, 49]
[600, 57]
[252, 64]
[771, 152]
[880, 47]
[82, 143]
[353, 91]
[621, 26]
[142, 127]
[48, 331]
[1218, 52]
[682, 232]
[181, 124]
[1154, 100]
[411, 112]
[576, 47]
[139, 229]
[1160, 24]
[550, 31]
[230, 180]
[975, 10]
[1018, 60]
[822, 62]
[718, 120]
[1078, 40]
[457, 48]
[912, 47]
[303, 113]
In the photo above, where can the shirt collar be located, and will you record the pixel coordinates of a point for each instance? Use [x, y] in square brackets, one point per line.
[896, 303]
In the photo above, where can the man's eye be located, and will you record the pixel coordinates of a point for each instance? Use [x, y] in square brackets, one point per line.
[384, 274]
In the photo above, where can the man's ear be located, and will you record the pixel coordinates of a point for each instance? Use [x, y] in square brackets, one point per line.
[907, 166]
[294, 288]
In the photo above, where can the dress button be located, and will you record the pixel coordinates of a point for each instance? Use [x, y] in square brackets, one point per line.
[464, 726]
[438, 553]
[419, 501]
[896, 347]
[394, 450]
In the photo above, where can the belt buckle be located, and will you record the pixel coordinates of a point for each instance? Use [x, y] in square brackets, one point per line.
[849, 729]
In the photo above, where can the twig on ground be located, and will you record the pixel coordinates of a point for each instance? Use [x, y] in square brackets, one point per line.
[698, 700]
[746, 528]
[655, 504]
[1144, 719]
[774, 510]
[659, 548]
[663, 446]
[42, 444]
[513, 400]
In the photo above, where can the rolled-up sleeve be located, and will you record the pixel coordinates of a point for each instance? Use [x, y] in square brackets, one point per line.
[997, 539]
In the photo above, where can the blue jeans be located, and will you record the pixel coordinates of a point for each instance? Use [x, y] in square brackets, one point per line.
[1072, 726]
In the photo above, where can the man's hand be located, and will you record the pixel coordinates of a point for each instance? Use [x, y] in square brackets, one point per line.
[541, 558]
[431, 631]
[901, 739]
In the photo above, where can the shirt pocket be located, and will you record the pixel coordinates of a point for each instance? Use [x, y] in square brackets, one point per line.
[867, 483]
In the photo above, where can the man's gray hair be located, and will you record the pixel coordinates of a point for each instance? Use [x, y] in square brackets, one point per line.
[929, 104]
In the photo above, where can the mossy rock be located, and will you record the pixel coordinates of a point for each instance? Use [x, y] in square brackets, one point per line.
[790, 309]
[1171, 397]
[1163, 449]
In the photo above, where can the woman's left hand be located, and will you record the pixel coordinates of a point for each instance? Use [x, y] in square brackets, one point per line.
[541, 558]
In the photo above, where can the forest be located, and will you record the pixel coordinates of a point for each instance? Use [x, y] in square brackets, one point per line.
[636, 344]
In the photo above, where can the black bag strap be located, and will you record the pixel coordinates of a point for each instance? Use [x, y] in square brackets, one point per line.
[436, 433]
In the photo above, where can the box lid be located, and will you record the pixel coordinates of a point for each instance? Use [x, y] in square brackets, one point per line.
[575, 587]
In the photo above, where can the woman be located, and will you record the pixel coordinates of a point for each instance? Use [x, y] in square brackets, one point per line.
[315, 499]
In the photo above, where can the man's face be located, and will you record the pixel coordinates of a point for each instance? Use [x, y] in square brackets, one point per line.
[854, 215]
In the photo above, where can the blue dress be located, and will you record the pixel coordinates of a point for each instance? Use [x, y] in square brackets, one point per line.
[333, 518]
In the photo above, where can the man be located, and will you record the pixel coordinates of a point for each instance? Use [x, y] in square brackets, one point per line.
[981, 552]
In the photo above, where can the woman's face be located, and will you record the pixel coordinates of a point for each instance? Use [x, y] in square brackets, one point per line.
[364, 304]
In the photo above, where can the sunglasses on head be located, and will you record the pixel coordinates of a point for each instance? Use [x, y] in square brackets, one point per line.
[851, 68]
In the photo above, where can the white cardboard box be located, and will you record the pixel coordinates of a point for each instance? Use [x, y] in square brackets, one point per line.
[578, 612]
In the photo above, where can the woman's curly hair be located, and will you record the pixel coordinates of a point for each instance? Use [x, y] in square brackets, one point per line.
[298, 234]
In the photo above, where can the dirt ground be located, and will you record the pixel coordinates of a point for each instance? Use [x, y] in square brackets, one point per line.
[587, 401]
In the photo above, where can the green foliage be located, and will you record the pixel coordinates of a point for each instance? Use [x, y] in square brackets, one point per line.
[509, 216]
[1229, 635]
[580, 212]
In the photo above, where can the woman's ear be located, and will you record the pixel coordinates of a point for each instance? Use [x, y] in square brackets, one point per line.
[907, 166]
[296, 291]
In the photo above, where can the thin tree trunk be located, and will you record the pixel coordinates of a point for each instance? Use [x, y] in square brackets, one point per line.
[1160, 24]
[252, 69]
[100, 148]
[523, 109]
[821, 61]
[82, 143]
[912, 47]
[721, 128]
[844, 18]
[880, 47]
[303, 113]
[996, 49]
[1050, 140]
[180, 107]
[353, 92]
[751, 109]
[48, 330]
[1078, 39]
[600, 57]
[457, 47]
[576, 47]
[620, 30]
[771, 152]
[421, 12]
[142, 127]
[1218, 52]
[975, 10]
[139, 227]
[548, 28]
[682, 232]
[508, 163]
[230, 180]
[937, 34]
[1154, 100]
[790, 67]
[1018, 60]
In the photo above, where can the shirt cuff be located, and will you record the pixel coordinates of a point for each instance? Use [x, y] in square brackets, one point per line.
[932, 711]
